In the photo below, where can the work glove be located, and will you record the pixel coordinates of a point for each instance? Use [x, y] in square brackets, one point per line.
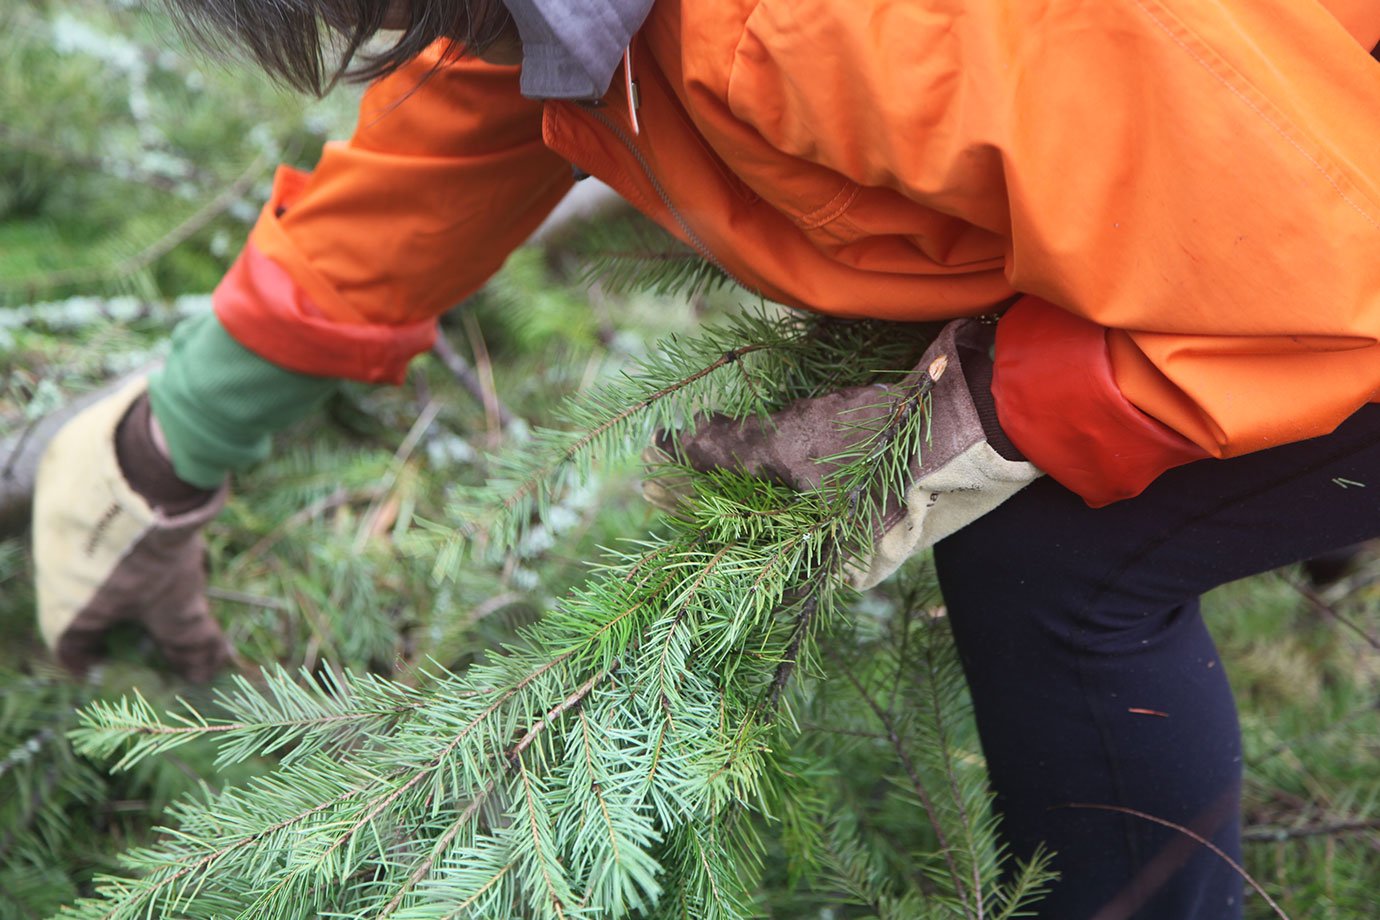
[104, 555]
[968, 467]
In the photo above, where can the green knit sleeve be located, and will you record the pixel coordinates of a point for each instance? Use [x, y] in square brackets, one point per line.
[218, 403]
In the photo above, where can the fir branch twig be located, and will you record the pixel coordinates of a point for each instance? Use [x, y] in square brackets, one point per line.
[728, 357]
[424, 868]
[482, 890]
[786, 668]
[564, 706]
[903, 755]
[339, 498]
[185, 868]
[537, 479]
[942, 747]
[537, 838]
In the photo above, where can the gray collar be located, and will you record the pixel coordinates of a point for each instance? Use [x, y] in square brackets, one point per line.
[571, 48]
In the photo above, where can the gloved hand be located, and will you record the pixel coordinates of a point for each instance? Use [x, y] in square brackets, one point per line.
[967, 469]
[103, 554]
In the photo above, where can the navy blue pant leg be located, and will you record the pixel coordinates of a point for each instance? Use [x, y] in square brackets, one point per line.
[1095, 682]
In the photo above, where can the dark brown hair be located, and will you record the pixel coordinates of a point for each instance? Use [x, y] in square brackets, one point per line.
[312, 44]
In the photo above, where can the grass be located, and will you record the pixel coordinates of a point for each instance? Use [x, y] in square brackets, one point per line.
[1306, 673]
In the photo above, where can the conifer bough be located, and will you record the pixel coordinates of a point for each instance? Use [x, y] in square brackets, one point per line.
[664, 743]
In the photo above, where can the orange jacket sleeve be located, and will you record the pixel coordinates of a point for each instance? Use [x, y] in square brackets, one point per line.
[1191, 188]
[348, 267]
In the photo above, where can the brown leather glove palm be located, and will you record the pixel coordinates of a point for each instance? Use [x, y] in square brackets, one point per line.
[103, 555]
[957, 479]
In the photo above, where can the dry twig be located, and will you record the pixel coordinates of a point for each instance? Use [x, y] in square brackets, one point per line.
[465, 375]
[1195, 837]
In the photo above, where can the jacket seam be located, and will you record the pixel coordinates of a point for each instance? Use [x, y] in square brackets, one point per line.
[831, 210]
[817, 217]
[1200, 56]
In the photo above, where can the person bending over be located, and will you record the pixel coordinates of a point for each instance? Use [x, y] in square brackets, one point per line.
[1173, 205]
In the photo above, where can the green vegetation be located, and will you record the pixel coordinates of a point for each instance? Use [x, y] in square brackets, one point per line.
[537, 705]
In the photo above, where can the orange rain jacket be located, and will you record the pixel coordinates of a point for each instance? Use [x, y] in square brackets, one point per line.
[1187, 191]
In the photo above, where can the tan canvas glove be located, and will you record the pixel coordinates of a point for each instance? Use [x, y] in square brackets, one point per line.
[103, 555]
[958, 478]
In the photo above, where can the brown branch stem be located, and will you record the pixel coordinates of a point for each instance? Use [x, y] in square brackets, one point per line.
[1192, 835]
[465, 375]
[1339, 828]
[444, 841]
[560, 709]
[536, 840]
[1322, 606]
[942, 739]
[898, 746]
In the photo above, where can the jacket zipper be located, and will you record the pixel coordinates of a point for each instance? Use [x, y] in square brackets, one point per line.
[696, 242]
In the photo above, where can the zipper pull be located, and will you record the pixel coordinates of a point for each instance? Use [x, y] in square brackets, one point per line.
[630, 86]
